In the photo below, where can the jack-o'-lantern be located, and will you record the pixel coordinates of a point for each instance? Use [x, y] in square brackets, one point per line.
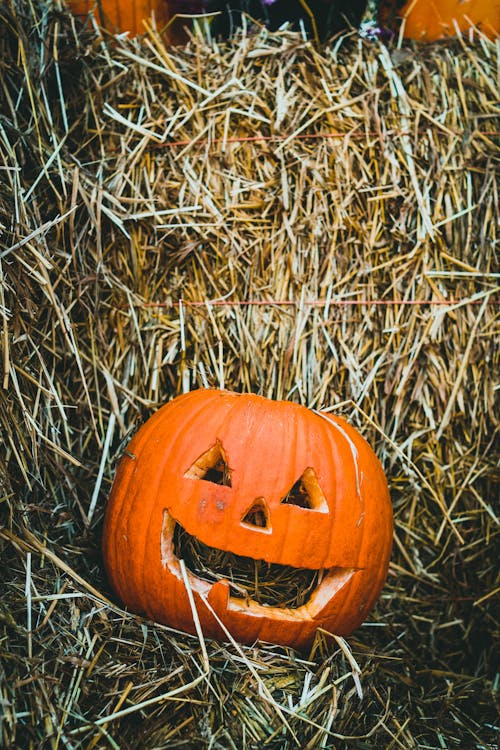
[292, 490]
[428, 20]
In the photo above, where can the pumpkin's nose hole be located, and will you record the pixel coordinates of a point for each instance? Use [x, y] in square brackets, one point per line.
[257, 515]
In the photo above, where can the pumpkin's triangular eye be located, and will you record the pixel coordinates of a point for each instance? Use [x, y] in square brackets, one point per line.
[257, 515]
[306, 493]
[211, 466]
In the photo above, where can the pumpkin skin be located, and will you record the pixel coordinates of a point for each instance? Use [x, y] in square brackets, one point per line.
[429, 20]
[117, 16]
[267, 445]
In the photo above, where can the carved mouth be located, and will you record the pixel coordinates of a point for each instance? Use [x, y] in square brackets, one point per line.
[269, 584]
[249, 585]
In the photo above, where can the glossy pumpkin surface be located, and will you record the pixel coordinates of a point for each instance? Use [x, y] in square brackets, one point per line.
[225, 468]
[428, 20]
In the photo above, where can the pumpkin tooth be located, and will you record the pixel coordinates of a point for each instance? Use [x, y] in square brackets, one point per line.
[323, 599]
[218, 596]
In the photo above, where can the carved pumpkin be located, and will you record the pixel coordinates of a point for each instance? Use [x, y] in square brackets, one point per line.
[428, 20]
[263, 480]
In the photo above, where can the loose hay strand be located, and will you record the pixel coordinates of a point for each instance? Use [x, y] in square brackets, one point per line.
[196, 619]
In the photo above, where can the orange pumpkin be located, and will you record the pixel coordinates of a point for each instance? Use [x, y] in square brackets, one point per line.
[117, 16]
[261, 479]
[428, 20]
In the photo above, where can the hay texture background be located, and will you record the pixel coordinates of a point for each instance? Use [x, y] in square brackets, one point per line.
[317, 224]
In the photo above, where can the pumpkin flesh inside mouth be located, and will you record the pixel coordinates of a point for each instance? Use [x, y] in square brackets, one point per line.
[254, 586]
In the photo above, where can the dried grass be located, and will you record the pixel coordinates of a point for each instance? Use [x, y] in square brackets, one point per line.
[317, 224]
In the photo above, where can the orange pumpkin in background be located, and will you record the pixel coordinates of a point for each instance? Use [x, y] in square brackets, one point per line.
[264, 480]
[117, 16]
[428, 20]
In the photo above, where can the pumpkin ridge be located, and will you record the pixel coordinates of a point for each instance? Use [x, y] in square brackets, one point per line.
[239, 405]
[355, 451]
[379, 567]
[327, 436]
[112, 557]
[281, 461]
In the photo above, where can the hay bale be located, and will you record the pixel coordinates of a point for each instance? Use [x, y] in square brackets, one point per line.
[317, 224]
